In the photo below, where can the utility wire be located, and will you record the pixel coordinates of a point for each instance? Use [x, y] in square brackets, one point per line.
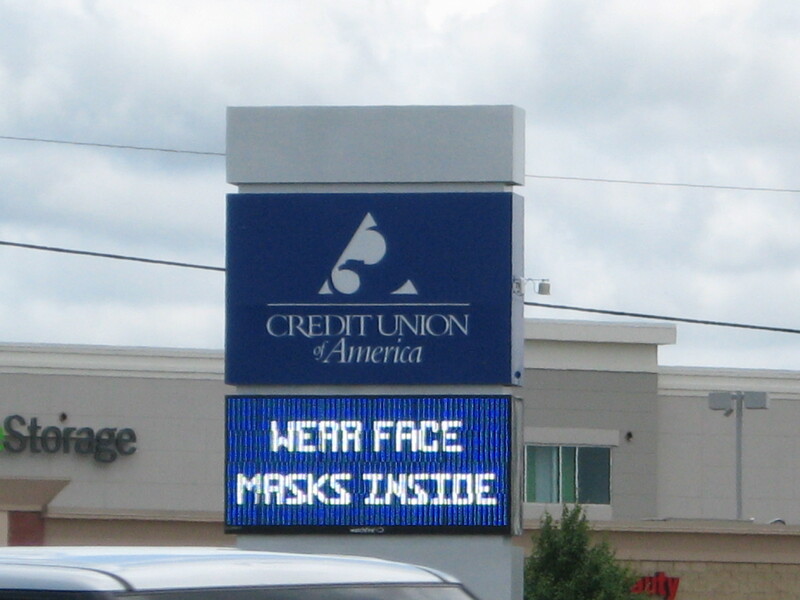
[537, 304]
[117, 146]
[153, 261]
[665, 183]
[531, 176]
[620, 313]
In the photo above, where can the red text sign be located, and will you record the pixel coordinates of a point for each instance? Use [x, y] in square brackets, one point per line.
[657, 585]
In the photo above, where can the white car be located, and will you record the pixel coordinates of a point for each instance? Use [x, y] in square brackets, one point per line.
[146, 573]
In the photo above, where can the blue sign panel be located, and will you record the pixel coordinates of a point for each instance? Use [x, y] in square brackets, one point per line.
[368, 464]
[372, 289]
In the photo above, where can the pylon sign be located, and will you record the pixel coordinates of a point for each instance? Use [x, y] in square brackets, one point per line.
[413, 288]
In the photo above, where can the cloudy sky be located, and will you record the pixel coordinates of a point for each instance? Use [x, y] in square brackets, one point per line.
[700, 92]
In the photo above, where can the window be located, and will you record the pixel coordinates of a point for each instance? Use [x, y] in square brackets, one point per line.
[564, 474]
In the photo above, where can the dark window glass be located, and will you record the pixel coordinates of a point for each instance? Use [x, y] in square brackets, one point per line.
[594, 468]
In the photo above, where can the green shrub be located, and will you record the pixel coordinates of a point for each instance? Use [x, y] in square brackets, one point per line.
[564, 565]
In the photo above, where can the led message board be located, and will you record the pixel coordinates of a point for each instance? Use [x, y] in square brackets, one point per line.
[373, 289]
[394, 464]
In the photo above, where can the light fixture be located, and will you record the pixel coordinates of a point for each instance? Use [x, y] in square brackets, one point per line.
[540, 286]
[543, 288]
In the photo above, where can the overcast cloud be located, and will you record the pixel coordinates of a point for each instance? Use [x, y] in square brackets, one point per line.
[698, 91]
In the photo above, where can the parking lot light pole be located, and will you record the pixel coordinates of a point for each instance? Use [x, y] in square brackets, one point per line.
[731, 402]
[739, 398]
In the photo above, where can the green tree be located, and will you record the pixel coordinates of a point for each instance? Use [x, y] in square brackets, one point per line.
[565, 565]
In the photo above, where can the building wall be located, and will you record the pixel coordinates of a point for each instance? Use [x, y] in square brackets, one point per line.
[591, 407]
[672, 486]
[135, 532]
[178, 458]
[169, 490]
[716, 560]
[719, 580]
[586, 383]
[597, 384]
[697, 447]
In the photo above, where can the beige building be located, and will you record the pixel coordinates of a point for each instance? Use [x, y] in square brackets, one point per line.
[605, 425]
[168, 490]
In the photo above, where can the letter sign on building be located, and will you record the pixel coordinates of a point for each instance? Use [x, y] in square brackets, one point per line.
[379, 289]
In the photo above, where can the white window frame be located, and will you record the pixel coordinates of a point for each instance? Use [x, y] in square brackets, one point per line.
[556, 436]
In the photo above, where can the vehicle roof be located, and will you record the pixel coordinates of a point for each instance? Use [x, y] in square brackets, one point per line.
[105, 568]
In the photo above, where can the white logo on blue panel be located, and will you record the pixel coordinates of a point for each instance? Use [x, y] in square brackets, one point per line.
[367, 247]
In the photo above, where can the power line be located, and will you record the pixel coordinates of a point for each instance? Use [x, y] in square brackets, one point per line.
[153, 261]
[116, 146]
[665, 183]
[621, 313]
[740, 188]
[537, 304]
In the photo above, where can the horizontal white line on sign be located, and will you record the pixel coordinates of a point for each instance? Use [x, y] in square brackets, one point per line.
[369, 304]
